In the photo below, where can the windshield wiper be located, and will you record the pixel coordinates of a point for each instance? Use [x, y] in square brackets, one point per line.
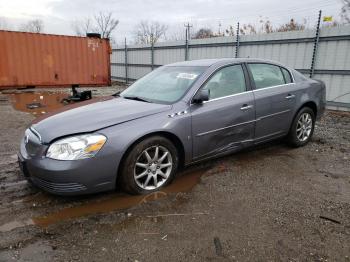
[137, 98]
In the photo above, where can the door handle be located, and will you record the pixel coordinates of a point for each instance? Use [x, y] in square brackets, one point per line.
[290, 96]
[246, 107]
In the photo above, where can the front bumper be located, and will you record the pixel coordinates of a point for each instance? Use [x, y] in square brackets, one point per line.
[76, 177]
[47, 185]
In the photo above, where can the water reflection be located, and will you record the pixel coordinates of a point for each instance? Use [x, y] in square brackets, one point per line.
[184, 183]
[38, 103]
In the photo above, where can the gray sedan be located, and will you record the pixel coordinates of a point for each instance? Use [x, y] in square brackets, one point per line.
[177, 115]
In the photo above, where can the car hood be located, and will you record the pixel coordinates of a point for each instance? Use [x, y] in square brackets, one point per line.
[92, 115]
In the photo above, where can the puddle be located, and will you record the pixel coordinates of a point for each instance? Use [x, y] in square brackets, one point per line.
[183, 183]
[47, 102]
[37, 103]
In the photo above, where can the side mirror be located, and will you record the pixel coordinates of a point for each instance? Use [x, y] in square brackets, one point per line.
[201, 96]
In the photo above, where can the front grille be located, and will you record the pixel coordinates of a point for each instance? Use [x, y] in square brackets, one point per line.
[58, 187]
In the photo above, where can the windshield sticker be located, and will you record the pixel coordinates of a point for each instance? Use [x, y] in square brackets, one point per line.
[186, 76]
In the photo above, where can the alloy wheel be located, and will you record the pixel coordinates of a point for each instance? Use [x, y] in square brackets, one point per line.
[153, 167]
[304, 127]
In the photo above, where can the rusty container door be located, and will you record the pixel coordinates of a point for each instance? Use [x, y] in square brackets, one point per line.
[30, 59]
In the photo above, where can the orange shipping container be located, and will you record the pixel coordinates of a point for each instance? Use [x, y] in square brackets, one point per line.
[31, 59]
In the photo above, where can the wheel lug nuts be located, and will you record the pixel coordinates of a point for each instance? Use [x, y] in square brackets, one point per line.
[149, 170]
[154, 172]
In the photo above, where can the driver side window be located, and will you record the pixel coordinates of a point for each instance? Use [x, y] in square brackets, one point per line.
[227, 81]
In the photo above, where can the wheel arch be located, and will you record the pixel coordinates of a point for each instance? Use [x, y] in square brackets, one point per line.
[291, 134]
[310, 104]
[172, 137]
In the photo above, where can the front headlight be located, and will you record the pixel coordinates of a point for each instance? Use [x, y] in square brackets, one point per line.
[76, 147]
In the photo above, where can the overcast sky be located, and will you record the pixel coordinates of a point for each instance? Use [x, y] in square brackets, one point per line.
[58, 15]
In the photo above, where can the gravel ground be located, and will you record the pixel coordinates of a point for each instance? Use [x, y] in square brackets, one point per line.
[267, 203]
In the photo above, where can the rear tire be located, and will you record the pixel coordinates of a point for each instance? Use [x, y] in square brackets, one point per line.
[149, 165]
[302, 128]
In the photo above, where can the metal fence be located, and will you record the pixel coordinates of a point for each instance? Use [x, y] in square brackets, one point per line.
[324, 54]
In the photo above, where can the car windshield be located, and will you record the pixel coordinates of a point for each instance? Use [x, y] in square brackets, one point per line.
[164, 85]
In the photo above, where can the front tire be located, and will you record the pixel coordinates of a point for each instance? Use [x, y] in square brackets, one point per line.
[302, 128]
[150, 165]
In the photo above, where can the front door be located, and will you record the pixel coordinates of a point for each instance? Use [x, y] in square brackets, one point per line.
[227, 120]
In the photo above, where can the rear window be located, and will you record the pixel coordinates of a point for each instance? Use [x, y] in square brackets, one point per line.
[287, 76]
[299, 77]
[266, 75]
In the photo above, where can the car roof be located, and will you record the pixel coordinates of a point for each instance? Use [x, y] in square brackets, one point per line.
[218, 61]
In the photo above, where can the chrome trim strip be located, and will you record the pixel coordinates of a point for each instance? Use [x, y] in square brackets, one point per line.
[219, 98]
[255, 90]
[223, 128]
[274, 114]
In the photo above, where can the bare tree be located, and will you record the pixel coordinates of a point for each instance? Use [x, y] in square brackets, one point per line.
[82, 27]
[147, 32]
[292, 25]
[345, 11]
[105, 24]
[230, 31]
[204, 33]
[102, 23]
[265, 25]
[247, 29]
[33, 26]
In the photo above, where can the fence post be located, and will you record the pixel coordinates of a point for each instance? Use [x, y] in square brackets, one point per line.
[317, 38]
[237, 41]
[152, 52]
[126, 62]
[186, 45]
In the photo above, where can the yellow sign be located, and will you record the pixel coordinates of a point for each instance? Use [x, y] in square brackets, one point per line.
[327, 19]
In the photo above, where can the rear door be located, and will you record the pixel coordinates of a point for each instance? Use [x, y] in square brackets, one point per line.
[226, 121]
[274, 93]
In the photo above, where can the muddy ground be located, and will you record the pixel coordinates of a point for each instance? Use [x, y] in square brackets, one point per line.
[266, 203]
